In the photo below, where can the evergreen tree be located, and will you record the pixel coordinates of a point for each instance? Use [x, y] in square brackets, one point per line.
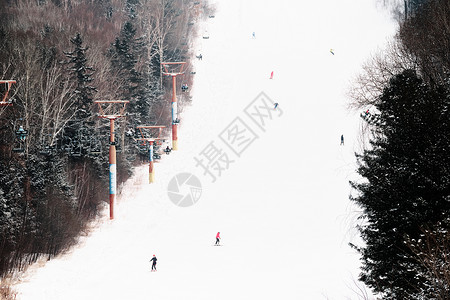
[82, 73]
[412, 6]
[406, 184]
[12, 212]
[132, 8]
[125, 53]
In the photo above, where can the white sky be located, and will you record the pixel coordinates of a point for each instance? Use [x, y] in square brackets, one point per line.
[282, 206]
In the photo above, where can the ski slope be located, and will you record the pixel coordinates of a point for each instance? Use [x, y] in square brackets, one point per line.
[281, 205]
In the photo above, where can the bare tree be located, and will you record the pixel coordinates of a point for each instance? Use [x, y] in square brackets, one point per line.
[161, 24]
[426, 37]
[433, 253]
[56, 103]
[376, 74]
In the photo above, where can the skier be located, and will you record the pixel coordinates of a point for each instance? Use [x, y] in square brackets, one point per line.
[217, 239]
[167, 150]
[342, 139]
[200, 57]
[154, 259]
[332, 51]
[253, 35]
[271, 75]
[276, 105]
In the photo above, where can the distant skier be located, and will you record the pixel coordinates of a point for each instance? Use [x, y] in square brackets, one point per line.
[275, 105]
[271, 75]
[253, 35]
[342, 139]
[217, 239]
[200, 57]
[332, 51]
[154, 259]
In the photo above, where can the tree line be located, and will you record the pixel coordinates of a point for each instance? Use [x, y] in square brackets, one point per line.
[404, 185]
[64, 55]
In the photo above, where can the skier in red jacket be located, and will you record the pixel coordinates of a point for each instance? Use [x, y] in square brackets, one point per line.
[217, 239]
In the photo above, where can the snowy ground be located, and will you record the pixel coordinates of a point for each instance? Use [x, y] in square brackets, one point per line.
[281, 206]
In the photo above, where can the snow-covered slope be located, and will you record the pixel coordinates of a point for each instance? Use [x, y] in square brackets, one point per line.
[281, 205]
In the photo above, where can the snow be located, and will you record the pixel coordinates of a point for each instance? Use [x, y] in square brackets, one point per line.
[281, 206]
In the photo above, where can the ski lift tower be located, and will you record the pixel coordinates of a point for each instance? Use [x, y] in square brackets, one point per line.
[6, 86]
[169, 71]
[151, 141]
[110, 114]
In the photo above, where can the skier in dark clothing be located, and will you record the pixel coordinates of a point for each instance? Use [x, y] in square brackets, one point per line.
[154, 259]
[342, 139]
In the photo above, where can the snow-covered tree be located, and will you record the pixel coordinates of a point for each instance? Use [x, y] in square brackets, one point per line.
[82, 73]
[406, 183]
[126, 54]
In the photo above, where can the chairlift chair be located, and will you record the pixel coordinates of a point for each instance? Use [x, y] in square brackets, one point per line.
[75, 149]
[45, 150]
[66, 144]
[95, 146]
[21, 135]
[19, 149]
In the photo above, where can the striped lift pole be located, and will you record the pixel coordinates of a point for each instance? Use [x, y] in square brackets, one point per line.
[144, 130]
[112, 146]
[168, 71]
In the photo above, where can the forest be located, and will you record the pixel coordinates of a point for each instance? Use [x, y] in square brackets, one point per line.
[404, 191]
[63, 55]
[66, 54]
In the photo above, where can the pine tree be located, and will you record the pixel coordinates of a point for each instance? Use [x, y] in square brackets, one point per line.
[82, 73]
[412, 6]
[406, 184]
[125, 53]
[132, 8]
